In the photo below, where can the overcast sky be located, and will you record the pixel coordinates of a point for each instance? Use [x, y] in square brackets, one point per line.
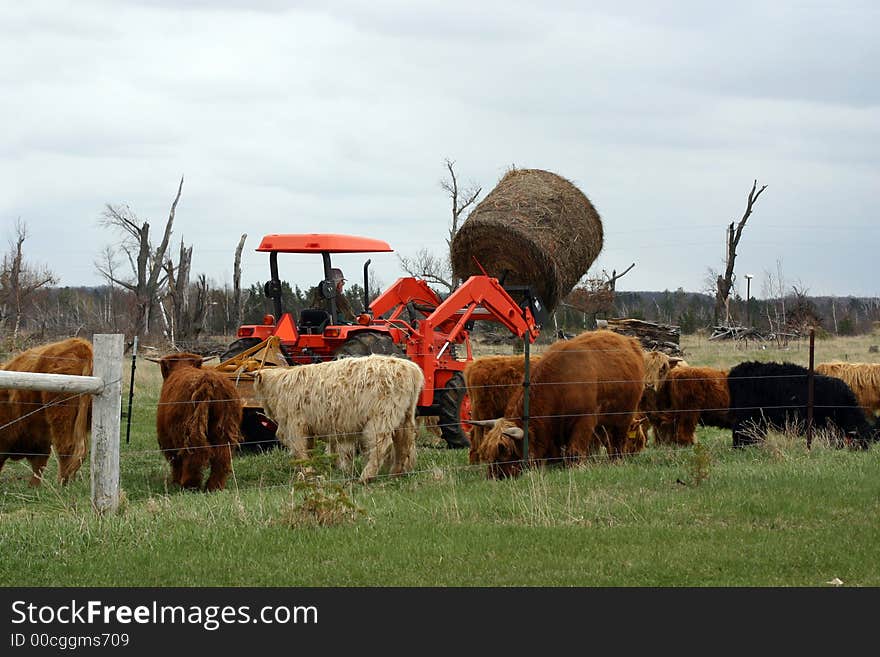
[289, 117]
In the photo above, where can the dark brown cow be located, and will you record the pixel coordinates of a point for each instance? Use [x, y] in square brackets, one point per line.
[590, 384]
[33, 422]
[197, 422]
[689, 396]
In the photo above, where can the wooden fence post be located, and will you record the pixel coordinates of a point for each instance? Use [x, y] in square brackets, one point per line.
[106, 413]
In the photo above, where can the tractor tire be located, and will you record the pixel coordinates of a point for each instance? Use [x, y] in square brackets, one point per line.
[366, 343]
[449, 400]
[240, 345]
[258, 433]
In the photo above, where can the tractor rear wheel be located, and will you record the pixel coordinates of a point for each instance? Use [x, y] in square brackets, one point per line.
[366, 343]
[449, 400]
[240, 345]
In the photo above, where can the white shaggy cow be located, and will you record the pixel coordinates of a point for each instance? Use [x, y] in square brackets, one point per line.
[369, 401]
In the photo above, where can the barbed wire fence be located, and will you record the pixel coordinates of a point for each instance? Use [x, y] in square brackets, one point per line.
[106, 386]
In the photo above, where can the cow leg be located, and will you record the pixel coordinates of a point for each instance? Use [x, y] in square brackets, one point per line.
[404, 449]
[345, 453]
[38, 464]
[685, 428]
[176, 468]
[378, 444]
[617, 434]
[580, 439]
[740, 438]
[221, 464]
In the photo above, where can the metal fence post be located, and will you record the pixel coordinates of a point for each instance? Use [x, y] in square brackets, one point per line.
[106, 409]
[527, 386]
[810, 381]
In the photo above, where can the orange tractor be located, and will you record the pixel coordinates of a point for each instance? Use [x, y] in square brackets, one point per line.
[408, 319]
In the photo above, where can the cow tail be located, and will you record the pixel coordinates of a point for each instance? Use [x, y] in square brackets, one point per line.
[81, 430]
[195, 427]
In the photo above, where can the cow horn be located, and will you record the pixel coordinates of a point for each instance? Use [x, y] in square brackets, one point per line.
[483, 423]
[151, 359]
[205, 359]
[514, 432]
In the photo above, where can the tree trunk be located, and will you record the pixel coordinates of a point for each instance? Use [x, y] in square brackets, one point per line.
[237, 309]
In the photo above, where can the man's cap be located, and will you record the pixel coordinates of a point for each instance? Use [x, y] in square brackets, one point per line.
[336, 275]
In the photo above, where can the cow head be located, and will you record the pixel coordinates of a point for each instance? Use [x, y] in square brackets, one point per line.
[501, 447]
[657, 366]
[637, 436]
[172, 362]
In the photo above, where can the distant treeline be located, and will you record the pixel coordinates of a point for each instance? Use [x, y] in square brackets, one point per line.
[64, 311]
[693, 311]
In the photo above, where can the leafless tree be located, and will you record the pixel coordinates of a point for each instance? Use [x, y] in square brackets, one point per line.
[177, 317]
[236, 282]
[19, 280]
[614, 277]
[435, 270]
[724, 283]
[147, 263]
[426, 265]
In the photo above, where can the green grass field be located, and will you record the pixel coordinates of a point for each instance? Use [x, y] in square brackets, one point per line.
[775, 515]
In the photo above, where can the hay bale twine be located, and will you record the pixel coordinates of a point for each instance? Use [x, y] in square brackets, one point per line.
[535, 225]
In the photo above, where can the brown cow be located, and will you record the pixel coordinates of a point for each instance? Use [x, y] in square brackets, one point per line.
[491, 382]
[197, 421]
[689, 396]
[33, 422]
[592, 383]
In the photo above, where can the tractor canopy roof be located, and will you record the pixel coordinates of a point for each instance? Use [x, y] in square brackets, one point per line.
[321, 242]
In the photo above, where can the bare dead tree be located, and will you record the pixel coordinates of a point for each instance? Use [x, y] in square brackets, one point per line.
[429, 267]
[177, 317]
[19, 279]
[612, 280]
[236, 282]
[434, 269]
[461, 199]
[724, 284]
[147, 263]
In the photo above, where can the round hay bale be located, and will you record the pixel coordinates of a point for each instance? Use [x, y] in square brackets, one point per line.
[536, 226]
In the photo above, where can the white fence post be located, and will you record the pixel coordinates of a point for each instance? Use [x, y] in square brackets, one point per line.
[106, 410]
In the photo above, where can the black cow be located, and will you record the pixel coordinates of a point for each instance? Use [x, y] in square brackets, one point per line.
[771, 395]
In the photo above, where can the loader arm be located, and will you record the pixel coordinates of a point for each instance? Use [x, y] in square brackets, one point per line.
[481, 298]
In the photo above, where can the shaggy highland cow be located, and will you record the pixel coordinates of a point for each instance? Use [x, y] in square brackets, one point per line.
[767, 396]
[33, 422]
[197, 422]
[585, 393]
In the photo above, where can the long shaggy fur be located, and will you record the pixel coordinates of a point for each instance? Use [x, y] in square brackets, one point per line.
[772, 395]
[368, 402]
[862, 378]
[198, 421]
[491, 381]
[39, 421]
[689, 396]
[590, 384]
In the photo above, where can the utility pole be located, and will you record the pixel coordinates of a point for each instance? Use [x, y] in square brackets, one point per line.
[748, 300]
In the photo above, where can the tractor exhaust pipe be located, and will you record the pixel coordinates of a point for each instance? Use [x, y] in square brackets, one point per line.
[367, 286]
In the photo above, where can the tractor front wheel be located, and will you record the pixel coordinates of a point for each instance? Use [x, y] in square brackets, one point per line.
[450, 400]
